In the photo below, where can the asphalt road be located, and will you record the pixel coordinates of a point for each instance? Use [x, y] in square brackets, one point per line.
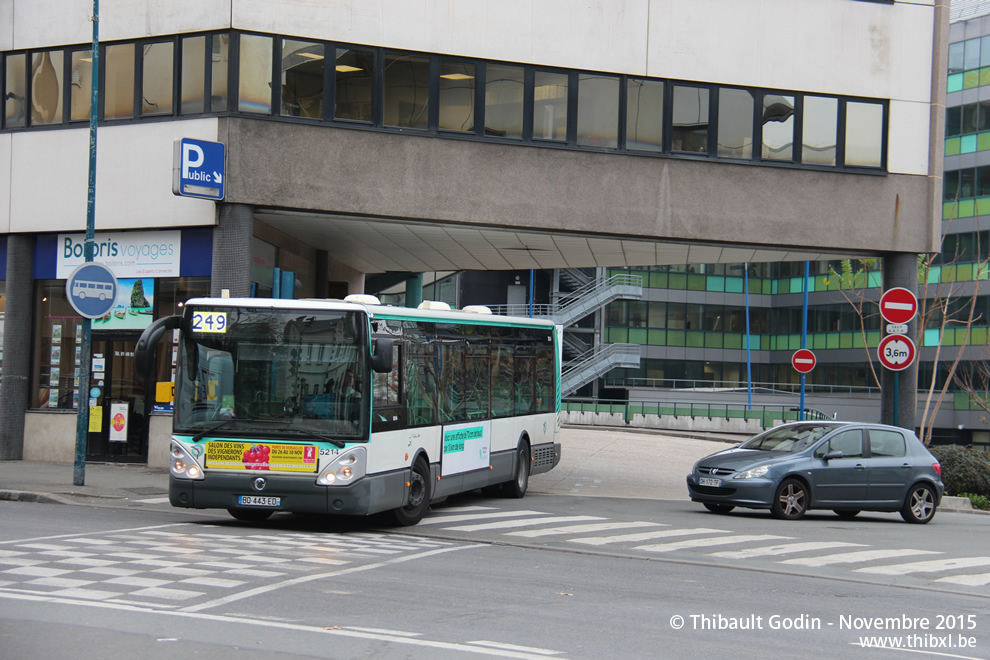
[551, 575]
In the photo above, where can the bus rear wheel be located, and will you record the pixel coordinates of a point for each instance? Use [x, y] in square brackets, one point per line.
[517, 487]
[419, 496]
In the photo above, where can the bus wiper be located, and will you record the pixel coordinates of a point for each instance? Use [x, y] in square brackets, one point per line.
[318, 436]
[199, 436]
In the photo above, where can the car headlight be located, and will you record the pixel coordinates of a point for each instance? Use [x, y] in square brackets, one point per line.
[182, 465]
[753, 473]
[345, 469]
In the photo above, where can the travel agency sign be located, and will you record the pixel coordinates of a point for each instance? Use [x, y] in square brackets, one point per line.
[145, 254]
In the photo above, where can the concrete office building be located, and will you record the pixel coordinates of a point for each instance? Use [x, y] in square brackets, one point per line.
[409, 137]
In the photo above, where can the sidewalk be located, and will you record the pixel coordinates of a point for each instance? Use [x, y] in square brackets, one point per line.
[595, 461]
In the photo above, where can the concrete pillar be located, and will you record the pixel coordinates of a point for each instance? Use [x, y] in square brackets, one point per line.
[900, 270]
[16, 383]
[321, 287]
[414, 290]
[232, 251]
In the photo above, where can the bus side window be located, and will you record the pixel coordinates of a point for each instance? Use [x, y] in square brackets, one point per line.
[388, 412]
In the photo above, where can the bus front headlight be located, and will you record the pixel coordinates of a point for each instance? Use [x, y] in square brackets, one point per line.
[345, 469]
[181, 463]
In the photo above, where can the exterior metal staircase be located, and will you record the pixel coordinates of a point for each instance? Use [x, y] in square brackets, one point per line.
[585, 362]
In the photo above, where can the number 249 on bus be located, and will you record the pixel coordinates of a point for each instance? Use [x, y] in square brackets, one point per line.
[209, 322]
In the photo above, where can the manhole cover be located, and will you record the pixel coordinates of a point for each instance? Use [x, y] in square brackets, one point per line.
[146, 490]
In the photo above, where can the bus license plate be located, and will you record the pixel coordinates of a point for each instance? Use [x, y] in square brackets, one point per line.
[708, 481]
[257, 500]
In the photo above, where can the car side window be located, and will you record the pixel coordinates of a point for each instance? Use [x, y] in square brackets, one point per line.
[850, 443]
[887, 444]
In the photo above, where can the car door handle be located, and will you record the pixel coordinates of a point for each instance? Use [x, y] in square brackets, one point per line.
[906, 466]
[860, 466]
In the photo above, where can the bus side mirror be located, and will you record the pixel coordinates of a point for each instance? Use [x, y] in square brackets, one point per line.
[381, 355]
[144, 352]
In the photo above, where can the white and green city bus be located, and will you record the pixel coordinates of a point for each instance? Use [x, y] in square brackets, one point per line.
[351, 407]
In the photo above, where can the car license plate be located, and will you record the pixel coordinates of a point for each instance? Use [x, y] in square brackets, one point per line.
[257, 500]
[708, 481]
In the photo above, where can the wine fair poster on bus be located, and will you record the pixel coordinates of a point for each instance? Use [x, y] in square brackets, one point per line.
[466, 447]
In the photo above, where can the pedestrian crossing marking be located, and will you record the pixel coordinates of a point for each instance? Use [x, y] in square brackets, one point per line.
[931, 566]
[700, 543]
[583, 529]
[854, 557]
[977, 580]
[442, 520]
[783, 549]
[645, 536]
[508, 524]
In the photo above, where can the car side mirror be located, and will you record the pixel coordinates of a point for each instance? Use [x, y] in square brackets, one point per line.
[833, 454]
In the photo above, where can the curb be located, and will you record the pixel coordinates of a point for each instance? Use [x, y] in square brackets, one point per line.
[29, 496]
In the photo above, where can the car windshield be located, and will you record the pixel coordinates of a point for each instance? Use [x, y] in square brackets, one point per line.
[789, 438]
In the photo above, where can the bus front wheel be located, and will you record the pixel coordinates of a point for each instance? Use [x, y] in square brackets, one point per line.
[419, 496]
[516, 488]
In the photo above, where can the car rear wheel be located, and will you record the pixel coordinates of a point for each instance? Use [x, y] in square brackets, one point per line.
[846, 513]
[791, 500]
[919, 507]
[719, 508]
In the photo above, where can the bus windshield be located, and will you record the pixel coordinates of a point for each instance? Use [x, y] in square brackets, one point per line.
[281, 372]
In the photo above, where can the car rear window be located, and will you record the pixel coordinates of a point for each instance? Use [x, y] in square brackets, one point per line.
[887, 443]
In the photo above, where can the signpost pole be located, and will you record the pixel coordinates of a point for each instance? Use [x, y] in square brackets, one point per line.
[82, 419]
[804, 333]
[897, 378]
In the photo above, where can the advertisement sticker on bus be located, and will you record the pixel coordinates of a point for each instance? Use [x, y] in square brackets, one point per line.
[466, 447]
[228, 455]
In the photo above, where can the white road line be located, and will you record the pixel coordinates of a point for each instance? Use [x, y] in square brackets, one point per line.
[443, 520]
[931, 566]
[783, 549]
[582, 529]
[853, 557]
[701, 543]
[977, 580]
[515, 647]
[249, 593]
[85, 535]
[644, 536]
[158, 611]
[385, 631]
[507, 524]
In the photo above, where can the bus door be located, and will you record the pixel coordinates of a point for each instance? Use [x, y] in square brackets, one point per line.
[118, 424]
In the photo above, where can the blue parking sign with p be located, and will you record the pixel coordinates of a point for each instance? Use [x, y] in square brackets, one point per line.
[198, 168]
[91, 290]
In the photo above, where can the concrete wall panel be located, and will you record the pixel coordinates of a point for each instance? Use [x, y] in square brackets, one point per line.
[907, 136]
[5, 166]
[48, 188]
[6, 24]
[388, 175]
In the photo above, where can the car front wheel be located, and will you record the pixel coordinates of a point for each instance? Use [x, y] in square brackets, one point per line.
[919, 507]
[791, 500]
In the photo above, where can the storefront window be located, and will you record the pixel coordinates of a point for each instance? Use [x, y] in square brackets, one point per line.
[58, 350]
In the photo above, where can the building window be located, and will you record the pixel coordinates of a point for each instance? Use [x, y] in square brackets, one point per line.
[689, 116]
[598, 111]
[46, 87]
[156, 79]
[864, 134]
[15, 91]
[81, 92]
[820, 129]
[644, 114]
[407, 90]
[193, 84]
[457, 94]
[254, 92]
[219, 65]
[353, 74]
[735, 123]
[778, 127]
[118, 102]
[550, 106]
[302, 79]
[504, 86]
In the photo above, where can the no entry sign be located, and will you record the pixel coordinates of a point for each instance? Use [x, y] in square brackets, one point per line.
[896, 352]
[898, 305]
[803, 361]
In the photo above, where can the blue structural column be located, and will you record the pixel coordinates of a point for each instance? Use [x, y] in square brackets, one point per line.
[414, 290]
[900, 270]
[232, 250]
[16, 383]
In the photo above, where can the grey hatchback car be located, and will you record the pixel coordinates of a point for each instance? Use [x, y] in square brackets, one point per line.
[844, 466]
